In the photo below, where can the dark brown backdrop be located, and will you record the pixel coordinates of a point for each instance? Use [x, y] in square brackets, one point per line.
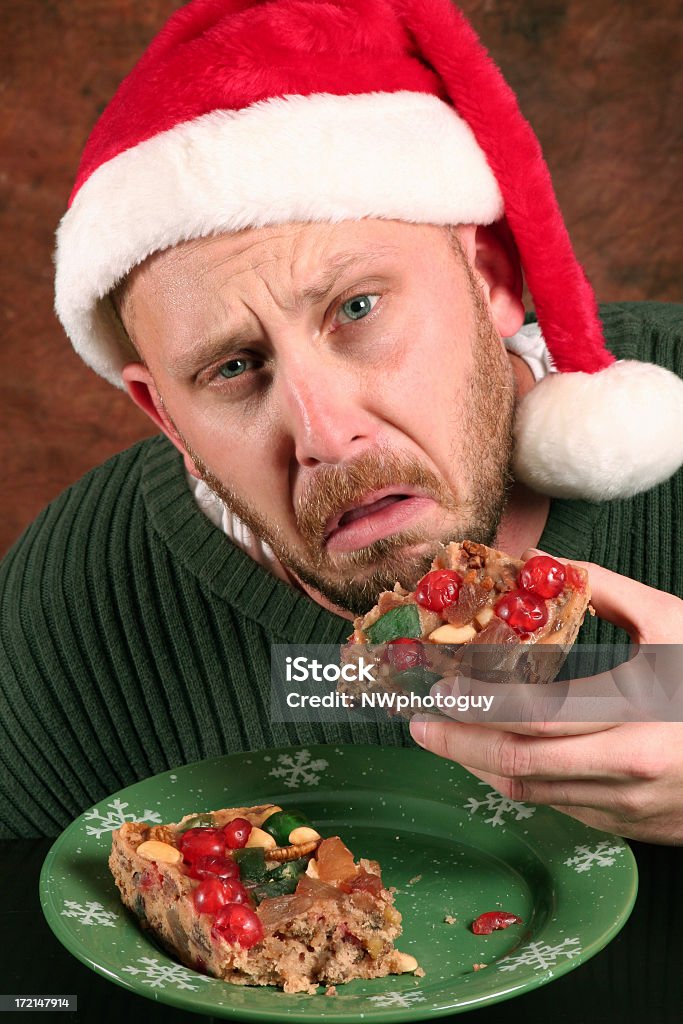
[599, 79]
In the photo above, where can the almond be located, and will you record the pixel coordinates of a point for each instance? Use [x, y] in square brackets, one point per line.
[257, 837]
[452, 634]
[162, 853]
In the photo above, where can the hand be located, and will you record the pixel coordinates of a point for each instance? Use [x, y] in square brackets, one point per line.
[619, 777]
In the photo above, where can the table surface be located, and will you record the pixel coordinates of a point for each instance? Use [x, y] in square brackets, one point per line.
[638, 978]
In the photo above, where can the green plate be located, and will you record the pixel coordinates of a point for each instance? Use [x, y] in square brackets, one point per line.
[451, 846]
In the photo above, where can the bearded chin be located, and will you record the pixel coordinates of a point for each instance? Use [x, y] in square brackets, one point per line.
[354, 581]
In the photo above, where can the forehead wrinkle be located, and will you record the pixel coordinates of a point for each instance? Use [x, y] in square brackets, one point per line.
[322, 284]
[299, 297]
[186, 250]
[231, 257]
[181, 259]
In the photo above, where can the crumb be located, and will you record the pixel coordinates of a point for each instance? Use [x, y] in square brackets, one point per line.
[331, 990]
[419, 972]
[414, 879]
[449, 919]
[479, 967]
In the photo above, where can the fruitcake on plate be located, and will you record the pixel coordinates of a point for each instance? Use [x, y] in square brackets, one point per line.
[255, 896]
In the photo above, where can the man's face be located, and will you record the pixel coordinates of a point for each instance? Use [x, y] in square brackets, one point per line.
[341, 387]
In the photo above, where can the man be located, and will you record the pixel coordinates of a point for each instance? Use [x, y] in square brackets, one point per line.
[300, 260]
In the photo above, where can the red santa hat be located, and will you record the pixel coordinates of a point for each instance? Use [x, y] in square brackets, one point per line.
[243, 113]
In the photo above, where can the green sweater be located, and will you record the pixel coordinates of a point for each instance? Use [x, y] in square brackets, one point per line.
[135, 637]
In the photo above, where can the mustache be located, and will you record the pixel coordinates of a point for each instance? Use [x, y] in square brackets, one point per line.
[334, 488]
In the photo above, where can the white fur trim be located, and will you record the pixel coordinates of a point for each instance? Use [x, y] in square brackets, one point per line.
[405, 156]
[603, 435]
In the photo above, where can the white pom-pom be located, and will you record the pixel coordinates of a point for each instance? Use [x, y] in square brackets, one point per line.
[600, 435]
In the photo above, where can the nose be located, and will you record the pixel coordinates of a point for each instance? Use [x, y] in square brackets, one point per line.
[324, 404]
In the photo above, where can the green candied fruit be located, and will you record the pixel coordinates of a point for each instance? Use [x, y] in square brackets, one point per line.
[205, 820]
[281, 824]
[281, 881]
[416, 680]
[251, 861]
[404, 620]
[291, 870]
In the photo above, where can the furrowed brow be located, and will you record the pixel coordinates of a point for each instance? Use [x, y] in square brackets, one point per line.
[320, 288]
[205, 352]
[209, 349]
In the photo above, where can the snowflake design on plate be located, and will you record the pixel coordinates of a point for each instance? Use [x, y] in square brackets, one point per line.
[500, 805]
[115, 818]
[299, 769]
[540, 955]
[158, 975]
[397, 999]
[91, 912]
[604, 855]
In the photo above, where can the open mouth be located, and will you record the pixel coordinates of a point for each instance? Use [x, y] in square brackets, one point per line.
[367, 510]
[379, 515]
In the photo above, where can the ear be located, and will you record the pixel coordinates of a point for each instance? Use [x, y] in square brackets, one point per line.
[492, 253]
[140, 385]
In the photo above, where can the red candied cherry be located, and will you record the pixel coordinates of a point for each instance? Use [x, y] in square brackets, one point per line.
[438, 589]
[493, 921]
[237, 832]
[237, 923]
[213, 893]
[522, 611]
[210, 895]
[214, 867]
[542, 575]
[404, 653]
[236, 891]
[202, 842]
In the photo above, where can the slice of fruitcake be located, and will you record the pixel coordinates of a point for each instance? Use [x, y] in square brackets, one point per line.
[477, 611]
[255, 896]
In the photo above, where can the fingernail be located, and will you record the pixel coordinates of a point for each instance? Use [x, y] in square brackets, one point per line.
[531, 552]
[418, 729]
[440, 690]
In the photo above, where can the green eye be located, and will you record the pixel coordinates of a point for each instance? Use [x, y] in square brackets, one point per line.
[235, 367]
[358, 306]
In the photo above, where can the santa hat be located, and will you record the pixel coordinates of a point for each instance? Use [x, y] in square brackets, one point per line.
[242, 114]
